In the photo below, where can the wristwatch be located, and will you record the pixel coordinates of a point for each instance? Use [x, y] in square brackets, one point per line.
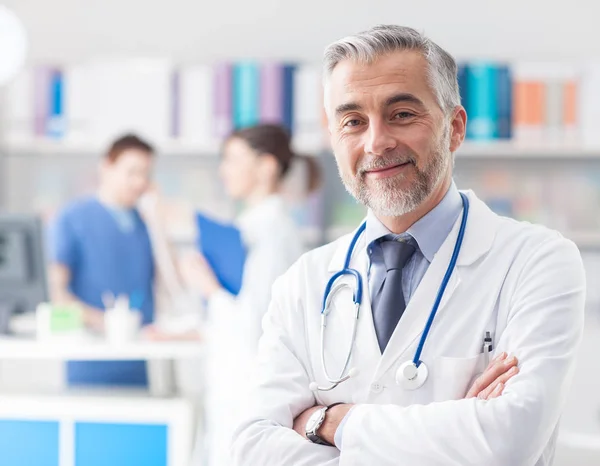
[315, 421]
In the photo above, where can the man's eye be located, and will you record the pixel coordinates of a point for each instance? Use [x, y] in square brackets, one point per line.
[403, 115]
[354, 122]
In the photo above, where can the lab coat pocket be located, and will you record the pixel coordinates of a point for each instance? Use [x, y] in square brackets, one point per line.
[454, 376]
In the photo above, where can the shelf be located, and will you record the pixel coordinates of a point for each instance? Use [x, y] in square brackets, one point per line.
[469, 150]
[583, 239]
[514, 151]
[48, 148]
[96, 350]
[172, 148]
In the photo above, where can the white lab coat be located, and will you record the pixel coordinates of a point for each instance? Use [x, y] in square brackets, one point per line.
[274, 243]
[524, 283]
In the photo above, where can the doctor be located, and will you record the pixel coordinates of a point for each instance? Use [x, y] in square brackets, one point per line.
[444, 280]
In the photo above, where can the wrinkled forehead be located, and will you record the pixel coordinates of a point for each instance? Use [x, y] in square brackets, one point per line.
[370, 85]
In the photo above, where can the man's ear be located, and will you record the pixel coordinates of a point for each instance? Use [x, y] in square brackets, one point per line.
[458, 128]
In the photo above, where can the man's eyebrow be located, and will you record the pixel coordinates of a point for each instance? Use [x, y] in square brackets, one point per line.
[398, 98]
[404, 97]
[349, 107]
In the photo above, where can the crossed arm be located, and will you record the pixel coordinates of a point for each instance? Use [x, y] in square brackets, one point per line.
[488, 386]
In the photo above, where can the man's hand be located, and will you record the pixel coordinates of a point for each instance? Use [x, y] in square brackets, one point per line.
[491, 383]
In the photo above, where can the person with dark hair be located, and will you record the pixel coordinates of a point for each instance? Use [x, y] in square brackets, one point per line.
[254, 164]
[99, 246]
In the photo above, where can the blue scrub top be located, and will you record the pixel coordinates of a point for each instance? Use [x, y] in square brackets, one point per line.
[105, 253]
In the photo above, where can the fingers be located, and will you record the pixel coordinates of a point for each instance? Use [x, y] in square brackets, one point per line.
[497, 367]
[485, 379]
[501, 357]
[496, 392]
[493, 390]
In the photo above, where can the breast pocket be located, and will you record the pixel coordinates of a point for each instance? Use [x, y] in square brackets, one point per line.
[454, 376]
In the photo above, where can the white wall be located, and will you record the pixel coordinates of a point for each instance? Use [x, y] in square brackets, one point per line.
[196, 30]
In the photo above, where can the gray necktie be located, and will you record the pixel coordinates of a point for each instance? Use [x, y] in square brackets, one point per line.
[390, 304]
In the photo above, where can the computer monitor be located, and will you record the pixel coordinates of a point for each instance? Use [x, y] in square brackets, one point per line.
[23, 283]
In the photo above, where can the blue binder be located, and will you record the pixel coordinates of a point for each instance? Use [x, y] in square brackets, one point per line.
[504, 96]
[482, 101]
[246, 98]
[288, 97]
[222, 246]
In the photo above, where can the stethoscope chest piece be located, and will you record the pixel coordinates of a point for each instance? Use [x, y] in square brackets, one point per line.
[411, 377]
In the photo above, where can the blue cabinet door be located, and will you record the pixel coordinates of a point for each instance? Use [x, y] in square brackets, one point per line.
[29, 443]
[113, 444]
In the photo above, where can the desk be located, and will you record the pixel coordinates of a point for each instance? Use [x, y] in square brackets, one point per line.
[99, 426]
[95, 349]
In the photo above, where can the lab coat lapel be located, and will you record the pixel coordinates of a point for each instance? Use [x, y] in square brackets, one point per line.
[480, 231]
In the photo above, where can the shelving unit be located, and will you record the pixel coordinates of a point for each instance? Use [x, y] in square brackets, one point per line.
[471, 150]
[174, 156]
[516, 151]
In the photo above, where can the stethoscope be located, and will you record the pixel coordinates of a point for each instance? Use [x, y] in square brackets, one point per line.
[411, 374]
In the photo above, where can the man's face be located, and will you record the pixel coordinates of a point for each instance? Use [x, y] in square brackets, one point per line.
[128, 177]
[391, 139]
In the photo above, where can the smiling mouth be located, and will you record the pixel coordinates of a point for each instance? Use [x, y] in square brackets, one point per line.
[389, 171]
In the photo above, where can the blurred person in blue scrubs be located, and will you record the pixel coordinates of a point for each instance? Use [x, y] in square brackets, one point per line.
[101, 246]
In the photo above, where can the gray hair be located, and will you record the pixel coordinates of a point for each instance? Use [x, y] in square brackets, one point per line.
[367, 46]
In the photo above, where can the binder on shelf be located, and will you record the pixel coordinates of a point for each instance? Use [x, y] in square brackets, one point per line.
[196, 107]
[77, 104]
[504, 101]
[55, 126]
[246, 89]
[482, 101]
[223, 103]
[288, 97]
[308, 105]
[271, 93]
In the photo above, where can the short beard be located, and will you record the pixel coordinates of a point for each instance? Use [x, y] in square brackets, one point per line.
[385, 197]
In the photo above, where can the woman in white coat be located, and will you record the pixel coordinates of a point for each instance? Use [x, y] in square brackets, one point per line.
[254, 164]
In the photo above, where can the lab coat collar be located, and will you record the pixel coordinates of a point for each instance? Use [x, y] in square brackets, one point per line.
[481, 230]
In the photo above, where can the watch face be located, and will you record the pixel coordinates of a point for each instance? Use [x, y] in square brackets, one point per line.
[314, 420]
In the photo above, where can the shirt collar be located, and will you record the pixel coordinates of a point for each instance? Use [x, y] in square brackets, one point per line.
[430, 231]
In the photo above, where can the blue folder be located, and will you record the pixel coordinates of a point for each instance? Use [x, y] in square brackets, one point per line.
[222, 246]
